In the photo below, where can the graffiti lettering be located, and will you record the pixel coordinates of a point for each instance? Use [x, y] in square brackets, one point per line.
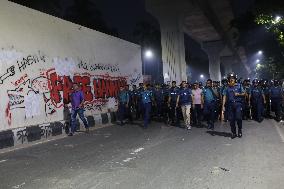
[21, 80]
[103, 88]
[98, 66]
[10, 72]
[30, 60]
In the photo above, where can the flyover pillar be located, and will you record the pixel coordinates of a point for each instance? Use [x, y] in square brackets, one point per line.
[227, 63]
[213, 50]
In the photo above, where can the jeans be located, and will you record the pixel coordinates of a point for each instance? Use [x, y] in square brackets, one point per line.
[197, 113]
[74, 113]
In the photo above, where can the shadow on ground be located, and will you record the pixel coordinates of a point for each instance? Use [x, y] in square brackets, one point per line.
[216, 133]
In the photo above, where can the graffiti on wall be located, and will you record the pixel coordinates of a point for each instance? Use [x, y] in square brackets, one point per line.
[40, 86]
[22, 65]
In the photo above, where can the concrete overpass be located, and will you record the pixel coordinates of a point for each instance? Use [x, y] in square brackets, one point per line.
[207, 22]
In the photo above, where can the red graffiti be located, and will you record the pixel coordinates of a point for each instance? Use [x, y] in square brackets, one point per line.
[21, 80]
[93, 87]
[8, 114]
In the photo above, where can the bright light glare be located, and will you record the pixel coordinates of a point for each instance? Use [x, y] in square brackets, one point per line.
[277, 19]
[257, 61]
[149, 54]
[202, 76]
[260, 52]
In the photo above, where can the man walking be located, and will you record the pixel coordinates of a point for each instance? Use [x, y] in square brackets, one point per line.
[210, 107]
[123, 102]
[184, 99]
[233, 97]
[197, 104]
[77, 102]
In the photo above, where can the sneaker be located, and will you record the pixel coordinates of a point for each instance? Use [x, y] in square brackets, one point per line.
[233, 136]
[70, 134]
[188, 127]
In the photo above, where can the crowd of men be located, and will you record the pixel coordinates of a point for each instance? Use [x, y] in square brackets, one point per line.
[231, 100]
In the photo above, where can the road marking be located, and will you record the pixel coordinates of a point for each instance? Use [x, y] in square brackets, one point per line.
[128, 159]
[138, 150]
[279, 131]
[4, 160]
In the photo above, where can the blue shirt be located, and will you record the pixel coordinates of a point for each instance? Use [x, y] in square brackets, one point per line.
[76, 99]
[185, 97]
[173, 92]
[256, 93]
[159, 95]
[146, 96]
[123, 97]
[230, 93]
[208, 95]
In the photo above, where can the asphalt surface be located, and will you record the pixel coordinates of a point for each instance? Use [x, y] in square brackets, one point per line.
[160, 157]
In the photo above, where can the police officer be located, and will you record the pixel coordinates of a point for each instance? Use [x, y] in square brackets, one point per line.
[173, 94]
[257, 101]
[247, 109]
[139, 111]
[184, 100]
[223, 88]
[210, 108]
[147, 99]
[233, 97]
[276, 97]
[216, 90]
[130, 104]
[123, 102]
[165, 107]
[159, 99]
[135, 96]
[266, 88]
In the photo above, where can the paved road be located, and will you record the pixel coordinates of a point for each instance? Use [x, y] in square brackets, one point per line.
[157, 158]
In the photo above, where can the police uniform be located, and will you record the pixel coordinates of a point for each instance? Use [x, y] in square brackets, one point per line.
[234, 105]
[173, 94]
[159, 99]
[147, 97]
[210, 107]
[123, 100]
[257, 102]
[275, 94]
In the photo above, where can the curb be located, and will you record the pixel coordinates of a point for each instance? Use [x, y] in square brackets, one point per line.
[36, 134]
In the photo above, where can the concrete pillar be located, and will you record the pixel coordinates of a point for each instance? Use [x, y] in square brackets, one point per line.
[213, 50]
[171, 18]
[227, 64]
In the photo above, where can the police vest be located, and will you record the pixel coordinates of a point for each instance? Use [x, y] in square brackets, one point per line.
[275, 93]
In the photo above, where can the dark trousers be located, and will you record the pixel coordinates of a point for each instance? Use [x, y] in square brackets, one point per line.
[235, 115]
[147, 113]
[74, 113]
[276, 106]
[173, 114]
[257, 109]
[139, 109]
[121, 111]
[209, 113]
[197, 113]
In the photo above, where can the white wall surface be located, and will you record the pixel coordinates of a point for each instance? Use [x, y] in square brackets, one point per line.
[39, 57]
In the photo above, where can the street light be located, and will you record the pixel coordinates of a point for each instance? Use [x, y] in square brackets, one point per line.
[260, 52]
[277, 19]
[257, 61]
[201, 76]
[149, 54]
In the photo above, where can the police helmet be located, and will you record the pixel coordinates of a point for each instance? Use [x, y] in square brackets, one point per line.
[255, 81]
[276, 82]
[232, 75]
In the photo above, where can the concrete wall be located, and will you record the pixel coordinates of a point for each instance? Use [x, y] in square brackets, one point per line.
[40, 57]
